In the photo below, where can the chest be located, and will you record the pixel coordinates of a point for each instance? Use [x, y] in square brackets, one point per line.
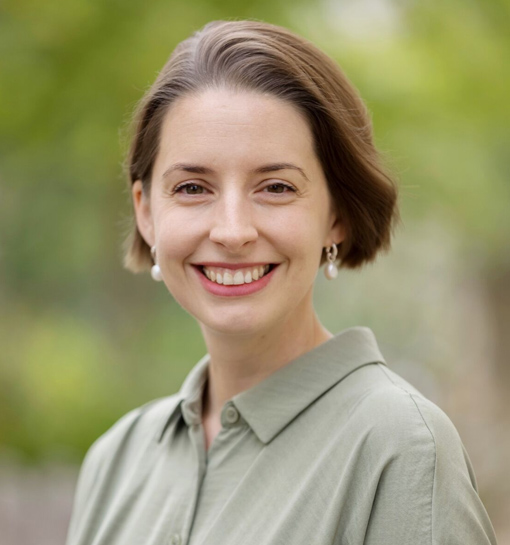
[299, 488]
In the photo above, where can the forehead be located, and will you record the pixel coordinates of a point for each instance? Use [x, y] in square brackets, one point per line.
[220, 124]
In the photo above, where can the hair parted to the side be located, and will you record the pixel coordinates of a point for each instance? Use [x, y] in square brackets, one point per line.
[258, 56]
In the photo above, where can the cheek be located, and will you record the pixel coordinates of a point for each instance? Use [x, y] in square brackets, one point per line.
[299, 238]
[175, 237]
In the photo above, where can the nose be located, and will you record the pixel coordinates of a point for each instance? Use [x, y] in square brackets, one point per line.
[233, 225]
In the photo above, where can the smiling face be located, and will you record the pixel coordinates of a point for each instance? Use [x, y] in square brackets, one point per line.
[236, 181]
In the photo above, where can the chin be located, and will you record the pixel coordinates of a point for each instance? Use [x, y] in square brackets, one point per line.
[234, 324]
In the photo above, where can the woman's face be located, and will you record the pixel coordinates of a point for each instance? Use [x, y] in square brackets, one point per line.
[224, 192]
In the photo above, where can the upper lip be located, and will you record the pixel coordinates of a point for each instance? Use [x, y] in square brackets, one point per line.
[232, 265]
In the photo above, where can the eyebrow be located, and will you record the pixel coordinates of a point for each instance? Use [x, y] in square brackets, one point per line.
[198, 169]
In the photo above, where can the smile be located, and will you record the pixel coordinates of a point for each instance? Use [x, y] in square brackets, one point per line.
[229, 277]
[241, 282]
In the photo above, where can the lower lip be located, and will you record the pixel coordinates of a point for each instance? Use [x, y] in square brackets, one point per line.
[234, 290]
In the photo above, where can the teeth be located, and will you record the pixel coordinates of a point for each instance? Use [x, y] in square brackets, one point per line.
[227, 279]
[241, 276]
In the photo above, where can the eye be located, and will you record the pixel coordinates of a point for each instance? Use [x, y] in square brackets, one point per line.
[191, 188]
[281, 187]
[194, 187]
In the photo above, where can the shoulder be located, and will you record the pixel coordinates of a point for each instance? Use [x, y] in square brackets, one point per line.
[142, 420]
[130, 436]
[401, 418]
[424, 474]
[111, 457]
[425, 488]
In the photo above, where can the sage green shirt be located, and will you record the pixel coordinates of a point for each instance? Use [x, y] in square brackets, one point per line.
[333, 448]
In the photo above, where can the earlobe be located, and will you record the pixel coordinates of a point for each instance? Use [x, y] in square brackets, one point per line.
[143, 214]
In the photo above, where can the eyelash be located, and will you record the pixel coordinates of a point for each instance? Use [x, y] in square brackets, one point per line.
[182, 186]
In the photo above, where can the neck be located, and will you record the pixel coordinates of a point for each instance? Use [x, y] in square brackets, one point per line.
[238, 362]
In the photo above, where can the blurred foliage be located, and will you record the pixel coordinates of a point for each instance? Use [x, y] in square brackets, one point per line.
[83, 341]
[437, 82]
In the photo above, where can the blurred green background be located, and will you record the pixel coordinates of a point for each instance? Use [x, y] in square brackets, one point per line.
[83, 341]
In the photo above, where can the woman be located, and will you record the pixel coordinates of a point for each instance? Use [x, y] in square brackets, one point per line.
[252, 164]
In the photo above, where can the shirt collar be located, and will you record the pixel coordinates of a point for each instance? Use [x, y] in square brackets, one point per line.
[190, 395]
[269, 406]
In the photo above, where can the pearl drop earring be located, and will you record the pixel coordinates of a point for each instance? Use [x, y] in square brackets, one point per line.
[331, 270]
[155, 271]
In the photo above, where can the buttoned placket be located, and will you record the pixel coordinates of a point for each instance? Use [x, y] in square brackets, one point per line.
[192, 422]
[191, 412]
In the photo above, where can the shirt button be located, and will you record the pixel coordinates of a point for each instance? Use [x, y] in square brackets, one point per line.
[231, 414]
[175, 540]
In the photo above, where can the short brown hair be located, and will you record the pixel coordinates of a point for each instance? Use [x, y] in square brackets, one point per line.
[258, 56]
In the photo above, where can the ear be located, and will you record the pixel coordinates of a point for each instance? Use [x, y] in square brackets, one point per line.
[142, 205]
[337, 231]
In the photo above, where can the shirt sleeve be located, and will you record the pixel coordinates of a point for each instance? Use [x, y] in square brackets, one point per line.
[427, 491]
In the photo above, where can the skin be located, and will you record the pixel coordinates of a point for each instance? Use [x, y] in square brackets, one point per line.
[236, 216]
